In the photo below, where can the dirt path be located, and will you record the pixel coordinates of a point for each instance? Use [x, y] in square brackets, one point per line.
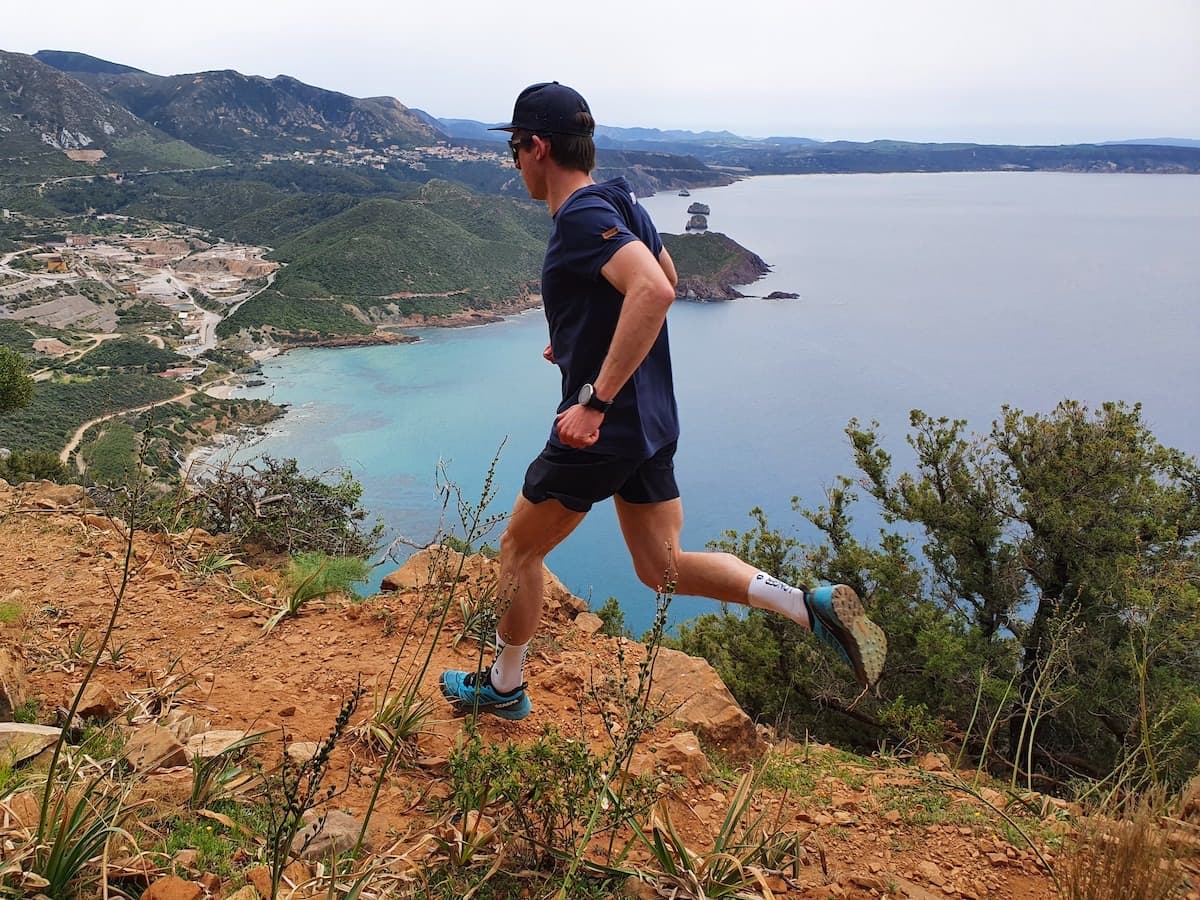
[65, 453]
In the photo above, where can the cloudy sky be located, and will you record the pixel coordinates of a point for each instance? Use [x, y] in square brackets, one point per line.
[1021, 71]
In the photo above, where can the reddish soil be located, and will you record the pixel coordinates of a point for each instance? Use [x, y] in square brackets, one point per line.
[869, 828]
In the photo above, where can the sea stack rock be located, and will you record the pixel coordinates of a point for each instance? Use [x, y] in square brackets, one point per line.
[697, 223]
[698, 209]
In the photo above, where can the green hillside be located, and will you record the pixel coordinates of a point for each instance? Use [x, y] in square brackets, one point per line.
[443, 239]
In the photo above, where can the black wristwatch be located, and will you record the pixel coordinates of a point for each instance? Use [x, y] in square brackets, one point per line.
[588, 398]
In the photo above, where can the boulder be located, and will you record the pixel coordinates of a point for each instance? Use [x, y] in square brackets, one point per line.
[20, 742]
[245, 893]
[13, 690]
[154, 747]
[702, 704]
[437, 566]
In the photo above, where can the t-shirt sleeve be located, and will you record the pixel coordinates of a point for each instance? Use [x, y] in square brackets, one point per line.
[592, 231]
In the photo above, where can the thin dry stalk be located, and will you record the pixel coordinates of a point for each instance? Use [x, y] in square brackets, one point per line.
[1114, 859]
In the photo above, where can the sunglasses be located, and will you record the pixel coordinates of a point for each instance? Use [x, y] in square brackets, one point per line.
[515, 146]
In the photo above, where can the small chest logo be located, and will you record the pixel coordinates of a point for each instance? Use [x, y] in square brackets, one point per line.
[611, 233]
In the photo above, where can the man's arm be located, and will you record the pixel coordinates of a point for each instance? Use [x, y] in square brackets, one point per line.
[647, 284]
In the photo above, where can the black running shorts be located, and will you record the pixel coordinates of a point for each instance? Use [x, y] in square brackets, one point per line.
[577, 479]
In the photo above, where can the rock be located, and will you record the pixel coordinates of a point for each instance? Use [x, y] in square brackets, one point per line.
[588, 623]
[13, 689]
[97, 701]
[154, 747]
[172, 887]
[931, 872]
[782, 295]
[437, 565]
[684, 751]
[212, 744]
[247, 893]
[702, 703]
[25, 808]
[21, 742]
[241, 612]
[296, 873]
[303, 751]
[934, 762]
[105, 523]
[337, 833]
[48, 495]
[870, 883]
[183, 725]
[636, 889]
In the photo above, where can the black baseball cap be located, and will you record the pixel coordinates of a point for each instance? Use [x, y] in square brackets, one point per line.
[548, 108]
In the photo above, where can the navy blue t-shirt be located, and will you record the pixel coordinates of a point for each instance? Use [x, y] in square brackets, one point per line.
[582, 309]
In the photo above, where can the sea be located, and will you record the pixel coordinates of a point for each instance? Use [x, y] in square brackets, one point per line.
[956, 294]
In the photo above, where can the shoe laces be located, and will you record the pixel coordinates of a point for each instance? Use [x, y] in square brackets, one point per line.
[482, 678]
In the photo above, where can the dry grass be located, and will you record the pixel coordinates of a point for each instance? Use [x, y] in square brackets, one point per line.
[1116, 859]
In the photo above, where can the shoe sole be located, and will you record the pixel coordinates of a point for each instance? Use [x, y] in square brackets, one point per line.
[867, 644]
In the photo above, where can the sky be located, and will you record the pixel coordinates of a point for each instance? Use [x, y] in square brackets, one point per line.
[1019, 71]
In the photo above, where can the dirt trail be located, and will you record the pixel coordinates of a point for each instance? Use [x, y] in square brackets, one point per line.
[870, 828]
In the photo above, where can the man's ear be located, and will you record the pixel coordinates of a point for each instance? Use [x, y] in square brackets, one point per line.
[541, 147]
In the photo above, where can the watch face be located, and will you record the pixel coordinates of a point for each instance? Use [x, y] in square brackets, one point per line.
[586, 393]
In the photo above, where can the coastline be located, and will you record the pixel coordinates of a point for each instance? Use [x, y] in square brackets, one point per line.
[199, 458]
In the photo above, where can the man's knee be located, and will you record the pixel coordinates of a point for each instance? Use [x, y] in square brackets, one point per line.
[656, 574]
[515, 550]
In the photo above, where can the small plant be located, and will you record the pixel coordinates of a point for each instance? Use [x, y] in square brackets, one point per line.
[548, 786]
[743, 853]
[214, 563]
[28, 712]
[216, 778]
[313, 575]
[912, 722]
[613, 618]
[80, 820]
[294, 789]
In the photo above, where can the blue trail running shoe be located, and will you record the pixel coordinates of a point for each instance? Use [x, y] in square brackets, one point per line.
[473, 690]
[839, 621]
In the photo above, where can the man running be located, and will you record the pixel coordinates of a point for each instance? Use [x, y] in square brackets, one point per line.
[607, 283]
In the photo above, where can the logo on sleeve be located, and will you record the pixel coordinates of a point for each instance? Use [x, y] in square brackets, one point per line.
[611, 233]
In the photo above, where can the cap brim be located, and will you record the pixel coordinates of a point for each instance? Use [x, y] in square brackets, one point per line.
[503, 128]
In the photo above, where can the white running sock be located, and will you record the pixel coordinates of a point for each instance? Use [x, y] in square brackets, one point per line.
[766, 592]
[508, 671]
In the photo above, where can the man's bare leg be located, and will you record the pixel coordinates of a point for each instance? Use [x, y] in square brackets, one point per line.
[834, 612]
[534, 529]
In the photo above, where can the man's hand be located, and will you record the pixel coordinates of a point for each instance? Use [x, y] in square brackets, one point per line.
[579, 426]
[548, 353]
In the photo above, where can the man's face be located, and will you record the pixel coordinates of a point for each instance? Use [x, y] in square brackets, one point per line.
[529, 152]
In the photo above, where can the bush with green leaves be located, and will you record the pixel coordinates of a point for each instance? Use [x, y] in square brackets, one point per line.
[1051, 613]
[270, 502]
[546, 788]
[16, 387]
[34, 465]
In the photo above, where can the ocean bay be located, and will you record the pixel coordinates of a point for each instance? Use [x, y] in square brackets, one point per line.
[950, 293]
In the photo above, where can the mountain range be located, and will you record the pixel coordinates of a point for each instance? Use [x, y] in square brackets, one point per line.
[55, 104]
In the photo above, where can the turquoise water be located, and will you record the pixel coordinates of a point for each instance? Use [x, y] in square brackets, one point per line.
[951, 293]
